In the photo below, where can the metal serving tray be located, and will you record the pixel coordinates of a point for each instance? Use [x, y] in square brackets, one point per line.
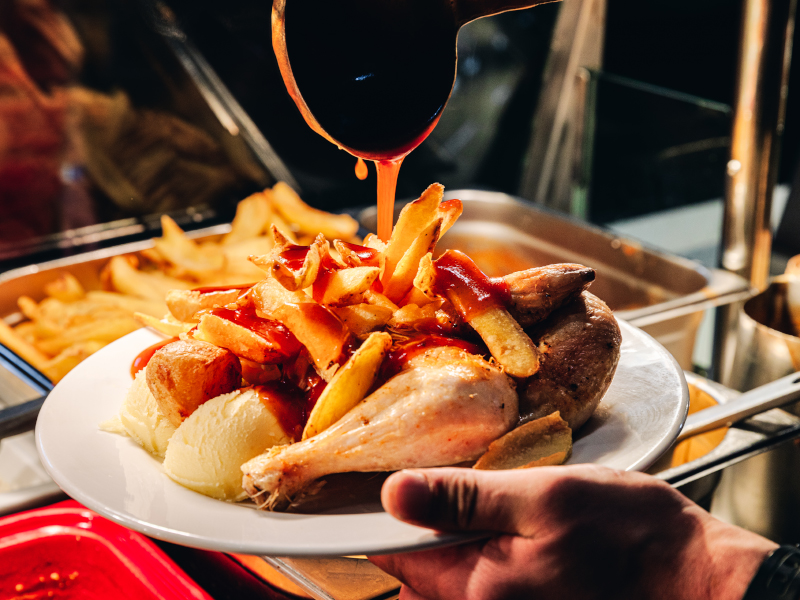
[663, 294]
[23, 481]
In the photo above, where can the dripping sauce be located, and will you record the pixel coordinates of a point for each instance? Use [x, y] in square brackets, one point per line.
[361, 169]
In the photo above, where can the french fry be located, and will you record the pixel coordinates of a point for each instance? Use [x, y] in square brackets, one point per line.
[405, 272]
[185, 304]
[102, 330]
[66, 288]
[426, 276]
[238, 266]
[310, 220]
[378, 299]
[63, 325]
[314, 326]
[415, 218]
[544, 442]
[239, 340]
[188, 257]
[26, 330]
[44, 325]
[351, 257]
[126, 279]
[350, 384]
[169, 325]
[345, 286]
[414, 296]
[411, 316]
[362, 319]
[26, 351]
[277, 265]
[449, 211]
[472, 295]
[127, 303]
[253, 217]
[507, 342]
[374, 242]
[68, 359]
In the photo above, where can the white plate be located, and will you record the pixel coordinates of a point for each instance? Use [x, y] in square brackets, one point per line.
[639, 418]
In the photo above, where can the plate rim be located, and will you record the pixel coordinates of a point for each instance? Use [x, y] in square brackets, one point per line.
[427, 539]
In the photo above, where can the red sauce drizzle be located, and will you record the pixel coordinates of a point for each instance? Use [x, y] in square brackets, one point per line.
[470, 290]
[328, 267]
[446, 204]
[286, 402]
[368, 257]
[290, 404]
[275, 332]
[141, 360]
[293, 257]
[399, 354]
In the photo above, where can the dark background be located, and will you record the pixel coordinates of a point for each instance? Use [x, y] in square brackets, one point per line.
[688, 46]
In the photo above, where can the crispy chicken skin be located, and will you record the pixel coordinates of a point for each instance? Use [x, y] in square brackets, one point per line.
[537, 292]
[184, 374]
[579, 349]
[446, 407]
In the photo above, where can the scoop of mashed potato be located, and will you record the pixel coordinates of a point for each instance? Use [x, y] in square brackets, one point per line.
[142, 419]
[207, 450]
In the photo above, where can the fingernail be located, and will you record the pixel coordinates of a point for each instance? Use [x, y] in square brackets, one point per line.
[412, 497]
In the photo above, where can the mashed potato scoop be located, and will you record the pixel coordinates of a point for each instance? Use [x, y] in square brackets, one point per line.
[208, 449]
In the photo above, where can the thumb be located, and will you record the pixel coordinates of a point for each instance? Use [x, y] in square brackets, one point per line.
[455, 499]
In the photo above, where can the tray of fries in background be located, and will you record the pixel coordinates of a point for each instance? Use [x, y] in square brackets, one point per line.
[55, 314]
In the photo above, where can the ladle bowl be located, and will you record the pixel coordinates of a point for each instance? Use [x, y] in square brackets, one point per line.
[373, 76]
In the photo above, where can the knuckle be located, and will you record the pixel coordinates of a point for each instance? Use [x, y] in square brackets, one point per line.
[457, 499]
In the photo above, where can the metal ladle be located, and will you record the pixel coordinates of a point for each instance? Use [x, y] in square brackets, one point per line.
[383, 16]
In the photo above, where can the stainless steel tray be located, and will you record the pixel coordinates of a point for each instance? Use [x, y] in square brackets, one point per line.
[663, 294]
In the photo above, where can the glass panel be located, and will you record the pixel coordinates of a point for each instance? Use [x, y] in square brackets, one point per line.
[649, 149]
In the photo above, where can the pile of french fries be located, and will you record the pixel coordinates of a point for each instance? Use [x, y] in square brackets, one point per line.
[71, 323]
[337, 292]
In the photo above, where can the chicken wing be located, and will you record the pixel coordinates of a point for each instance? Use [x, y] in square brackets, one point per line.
[446, 407]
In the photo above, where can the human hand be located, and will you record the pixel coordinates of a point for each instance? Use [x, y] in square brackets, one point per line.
[577, 532]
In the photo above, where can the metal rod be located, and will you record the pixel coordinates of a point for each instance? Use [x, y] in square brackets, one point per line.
[772, 395]
[765, 52]
[11, 361]
[19, 418]
[760, 104]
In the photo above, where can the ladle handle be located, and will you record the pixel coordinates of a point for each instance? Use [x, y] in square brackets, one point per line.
[469, 10]
[772, 395]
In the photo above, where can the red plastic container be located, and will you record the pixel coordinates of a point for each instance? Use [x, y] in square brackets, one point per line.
[68, 551]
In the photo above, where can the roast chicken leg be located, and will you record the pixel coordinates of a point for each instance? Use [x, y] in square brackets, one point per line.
[446, 407]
